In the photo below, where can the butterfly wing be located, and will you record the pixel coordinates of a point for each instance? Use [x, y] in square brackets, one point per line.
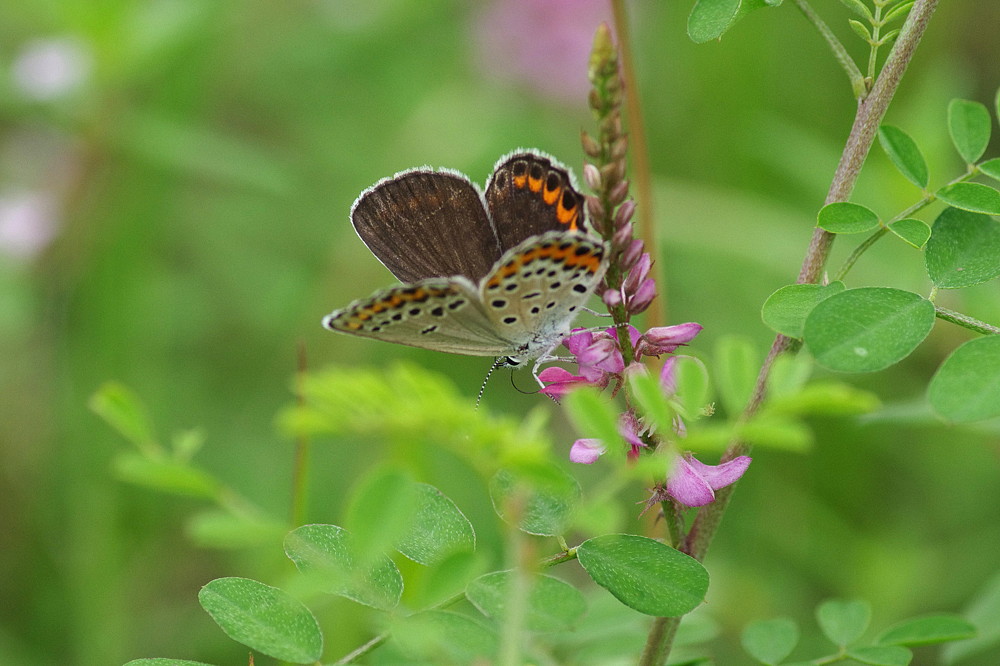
[440, 314]
[530, 194]
[537, 288]
[423, 224]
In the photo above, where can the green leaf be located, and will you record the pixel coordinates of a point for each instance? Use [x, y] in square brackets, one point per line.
[594, 416]
[963, 250]
[860, 30]
[974, 197]
[789, 374]
[709, 19]
[991, 168]
[824, 398]
[159, 661]
[868, 329]
[844, 217]
[553, 605]
[913, 231]
[903, 152]
[381, 510]
[785, 310]
[437, 529]
[928, 631]
[263, 618]
[770, 641]
[898, 11]
[539, 499]
[692, 386]
[967, 385]
[644, 574]
[166, 476]
[736, 367]
[652, 402]
[969, 126]
[123, 411]
[328, 555]
[859, 8]
[216, 528]
[888, 655]
[843, 622]
[444, 637]
[984, 613]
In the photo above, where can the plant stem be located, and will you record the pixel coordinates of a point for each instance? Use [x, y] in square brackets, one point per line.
[863, 132]
[965, 321]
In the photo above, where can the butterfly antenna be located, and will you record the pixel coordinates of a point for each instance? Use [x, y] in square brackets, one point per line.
[498, 363]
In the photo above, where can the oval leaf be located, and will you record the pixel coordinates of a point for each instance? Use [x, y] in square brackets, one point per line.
[770, 641]
[868, 329]
[709, 19]
[786, 310]
[844, 217]
[444, 637]
[437, 530]
[843, 622]
[969, 126]
[991, 168]
[913, 231]
[381, 510]
[263, 618]
[971, 196]
[553, 605]
[928, 631]
[967, 385]
[963, 250]
[886, 655]
[328, 553]
[904, 154]
[736, 367]
[539, 500]
[645, 574]
[122, 409]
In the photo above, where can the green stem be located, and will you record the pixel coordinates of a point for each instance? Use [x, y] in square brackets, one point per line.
[854, 74]
[965, 321]
[863, 132]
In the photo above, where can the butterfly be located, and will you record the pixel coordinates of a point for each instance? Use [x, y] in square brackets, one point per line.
[500, 274]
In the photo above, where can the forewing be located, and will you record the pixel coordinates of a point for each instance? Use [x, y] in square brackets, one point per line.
[423, 224]
[440, 314]
[530, 194]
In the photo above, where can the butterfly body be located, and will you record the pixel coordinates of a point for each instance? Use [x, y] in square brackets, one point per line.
[501, 274]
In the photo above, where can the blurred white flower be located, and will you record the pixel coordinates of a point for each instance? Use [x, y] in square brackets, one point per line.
[27, 223]
[47, 69]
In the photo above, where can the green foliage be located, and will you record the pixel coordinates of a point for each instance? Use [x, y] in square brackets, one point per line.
[786, 310]
[843, 623]
[969, 126]
[553, 605]
[737, 364]
[972, 197]
[964, 249]
[845, 217]
[770, 641]
[263, 618]
[537, 499]
[967, 385]
[913, 231]
[645, 574]
[867, 329]
[904, 154]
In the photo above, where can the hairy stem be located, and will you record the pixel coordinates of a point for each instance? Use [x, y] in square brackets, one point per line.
[854, 75]
[965, 321]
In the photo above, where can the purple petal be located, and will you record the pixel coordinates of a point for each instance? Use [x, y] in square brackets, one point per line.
[579, 340]
[722, 475]
[666, 339]
[640, 299]
[668, 378]
[686, 486]
[586, 451]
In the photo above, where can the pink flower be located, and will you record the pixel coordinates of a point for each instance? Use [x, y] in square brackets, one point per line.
[560, 381]
[586, 451]
[666, 339]
[693, 483]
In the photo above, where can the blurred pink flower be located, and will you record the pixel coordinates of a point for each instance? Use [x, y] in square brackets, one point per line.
[544, 44]
[27, 223]
[47, 69]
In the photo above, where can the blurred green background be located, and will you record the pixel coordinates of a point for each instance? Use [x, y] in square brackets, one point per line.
[175, 182]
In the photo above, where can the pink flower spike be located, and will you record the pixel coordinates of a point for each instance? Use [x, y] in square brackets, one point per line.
[693, 483]
[586, 451]
[642, 297]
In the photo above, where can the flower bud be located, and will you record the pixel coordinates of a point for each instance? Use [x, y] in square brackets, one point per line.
[592, 176]
[612, 298]
[624, 213]
[643, 296]
[590, 145]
